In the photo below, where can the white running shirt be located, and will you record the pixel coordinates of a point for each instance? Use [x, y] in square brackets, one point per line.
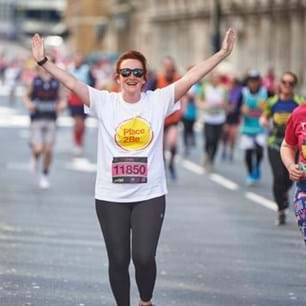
[128, 131]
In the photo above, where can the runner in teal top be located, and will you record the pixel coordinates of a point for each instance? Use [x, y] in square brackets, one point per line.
[252, 133]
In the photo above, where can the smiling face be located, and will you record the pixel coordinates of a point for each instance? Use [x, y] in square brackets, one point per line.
[131, 85]
[287, 84]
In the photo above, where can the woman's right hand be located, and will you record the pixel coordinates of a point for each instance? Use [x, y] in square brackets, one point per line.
[38, 50]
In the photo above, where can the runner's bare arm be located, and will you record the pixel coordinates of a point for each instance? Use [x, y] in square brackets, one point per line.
[200, 70]
[26, 99]
[62, 103]
[68, 80]
[288, 154]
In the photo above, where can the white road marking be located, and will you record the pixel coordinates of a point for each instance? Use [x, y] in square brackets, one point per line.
[261, 200]
[193, 167]
[221, 180]
[9, 119]
[217, 178]
[81, 164]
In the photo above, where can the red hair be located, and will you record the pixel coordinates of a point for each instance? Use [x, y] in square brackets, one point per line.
[132, 54]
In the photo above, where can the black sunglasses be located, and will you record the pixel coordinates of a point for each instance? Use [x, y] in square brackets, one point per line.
[137, 72]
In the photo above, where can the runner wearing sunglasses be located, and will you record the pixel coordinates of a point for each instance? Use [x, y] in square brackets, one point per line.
[130, 183]
[126, 72]
[275, 117]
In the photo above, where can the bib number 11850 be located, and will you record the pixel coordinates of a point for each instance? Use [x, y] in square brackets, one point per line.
[129, 170]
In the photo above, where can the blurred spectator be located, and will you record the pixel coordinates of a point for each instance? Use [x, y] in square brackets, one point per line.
[233, 118]
[211, 98]
[151, 81]
[189, 117]
[103, 74]
[3, 65]
[269, 81]
[43, 100]
[12, 75]
[167, 76]
[82, 72]
[252, 133]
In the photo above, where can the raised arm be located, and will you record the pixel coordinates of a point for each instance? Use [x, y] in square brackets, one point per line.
[196, 73]
[68, 80]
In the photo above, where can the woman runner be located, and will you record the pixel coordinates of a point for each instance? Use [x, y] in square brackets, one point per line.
[130, 183]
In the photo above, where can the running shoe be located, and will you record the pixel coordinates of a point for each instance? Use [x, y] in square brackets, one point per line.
[256, 173]
[78, 151]
[250, 180]
[281, 219]
[44, 182]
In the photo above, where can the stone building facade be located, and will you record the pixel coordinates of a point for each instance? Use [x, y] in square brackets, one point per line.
[270, 33]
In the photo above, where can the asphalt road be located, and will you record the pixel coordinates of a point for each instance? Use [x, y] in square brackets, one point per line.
[219, 244]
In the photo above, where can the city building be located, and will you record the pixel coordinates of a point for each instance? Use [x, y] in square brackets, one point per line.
[87, 23]
[40, 16]
[270, 33]
[7, 19]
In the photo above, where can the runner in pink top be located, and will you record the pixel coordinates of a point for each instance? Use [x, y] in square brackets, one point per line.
[295, 142]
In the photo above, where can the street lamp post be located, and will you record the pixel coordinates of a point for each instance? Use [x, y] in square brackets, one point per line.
[216, 36]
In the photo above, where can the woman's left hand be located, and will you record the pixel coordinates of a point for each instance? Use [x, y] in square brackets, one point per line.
[228, 42]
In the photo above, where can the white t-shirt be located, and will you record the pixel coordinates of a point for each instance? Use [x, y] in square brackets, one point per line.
[129, 131]
[214, 98]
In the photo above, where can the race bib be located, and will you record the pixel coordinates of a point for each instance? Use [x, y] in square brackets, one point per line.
[130, 170]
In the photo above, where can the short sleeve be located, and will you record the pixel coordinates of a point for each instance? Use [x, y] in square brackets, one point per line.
[166, 98]
[98, 100]
[267, 109]
[290, 135]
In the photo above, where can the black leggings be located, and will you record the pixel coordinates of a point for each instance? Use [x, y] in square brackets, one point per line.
[212, 136]
[253, 158]
[144, 220]
[188, 133]
[281, 180]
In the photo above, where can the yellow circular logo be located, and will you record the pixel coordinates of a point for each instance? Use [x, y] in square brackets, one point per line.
[134, 134]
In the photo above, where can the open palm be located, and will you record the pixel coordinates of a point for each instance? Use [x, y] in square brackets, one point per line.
[228, 42]
[38, 50]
